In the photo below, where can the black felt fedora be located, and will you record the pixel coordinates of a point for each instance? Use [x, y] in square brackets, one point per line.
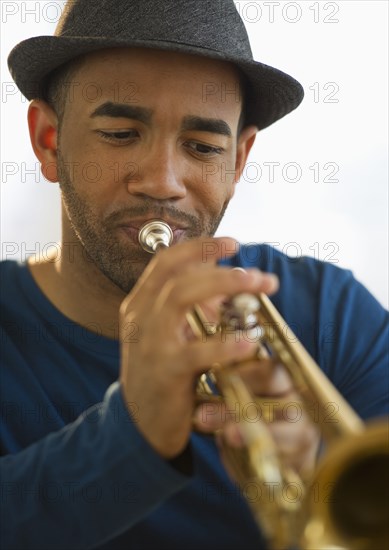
[208, 28]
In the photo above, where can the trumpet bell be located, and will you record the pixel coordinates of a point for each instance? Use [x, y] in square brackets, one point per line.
[348, 498]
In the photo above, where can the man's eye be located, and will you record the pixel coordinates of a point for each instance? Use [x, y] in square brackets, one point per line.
[204, 150]
[126, 135]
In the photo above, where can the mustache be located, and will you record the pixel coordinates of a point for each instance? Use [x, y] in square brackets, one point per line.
[150, 208]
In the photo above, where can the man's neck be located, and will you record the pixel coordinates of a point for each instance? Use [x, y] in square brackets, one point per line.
[75, 286]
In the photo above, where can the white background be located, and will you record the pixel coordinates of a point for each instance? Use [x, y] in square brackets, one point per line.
[330, 47]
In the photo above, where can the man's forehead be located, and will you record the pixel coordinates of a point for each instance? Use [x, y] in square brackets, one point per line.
[149, 60]
[145, 76]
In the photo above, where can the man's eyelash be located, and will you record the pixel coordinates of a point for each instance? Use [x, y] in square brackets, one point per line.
[211, 150]
[127, 135]
[118, 136]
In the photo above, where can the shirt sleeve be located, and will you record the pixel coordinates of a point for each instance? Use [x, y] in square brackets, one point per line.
[85, 484]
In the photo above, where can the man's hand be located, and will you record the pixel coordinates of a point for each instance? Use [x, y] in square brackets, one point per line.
[160, 360]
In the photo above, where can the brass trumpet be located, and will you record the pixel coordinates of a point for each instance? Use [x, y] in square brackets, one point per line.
[353, 513]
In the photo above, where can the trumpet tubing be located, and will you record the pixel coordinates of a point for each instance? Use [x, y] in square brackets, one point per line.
[355, 451]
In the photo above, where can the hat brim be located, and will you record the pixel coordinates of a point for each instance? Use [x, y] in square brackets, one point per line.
[271, 93]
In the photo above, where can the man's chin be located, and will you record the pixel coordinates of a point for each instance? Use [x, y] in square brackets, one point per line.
[122, 260]
[125, 275]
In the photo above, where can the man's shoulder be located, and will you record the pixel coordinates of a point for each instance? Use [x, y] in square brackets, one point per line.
[10, 270]
[19, 295]
[288, 266]
[312, 293]
[13, 293]
[8, 265]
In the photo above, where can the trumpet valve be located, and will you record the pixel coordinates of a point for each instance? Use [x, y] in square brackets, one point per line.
[240, 313]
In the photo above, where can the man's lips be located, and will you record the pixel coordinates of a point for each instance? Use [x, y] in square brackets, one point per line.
[138, 223]
[132, 231]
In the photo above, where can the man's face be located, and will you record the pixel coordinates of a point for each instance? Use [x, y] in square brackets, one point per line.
[146, 135]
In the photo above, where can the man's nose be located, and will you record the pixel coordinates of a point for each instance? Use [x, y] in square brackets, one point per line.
[159, 175]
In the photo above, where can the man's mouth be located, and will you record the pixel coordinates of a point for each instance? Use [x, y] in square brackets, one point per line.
[131, 228]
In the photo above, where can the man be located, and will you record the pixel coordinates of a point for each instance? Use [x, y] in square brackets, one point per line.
[92, 462]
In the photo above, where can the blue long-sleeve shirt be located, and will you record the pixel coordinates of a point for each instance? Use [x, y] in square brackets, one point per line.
[76, 472]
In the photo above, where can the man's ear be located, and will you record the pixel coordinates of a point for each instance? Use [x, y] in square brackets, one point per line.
[43, 126]
[245, 142]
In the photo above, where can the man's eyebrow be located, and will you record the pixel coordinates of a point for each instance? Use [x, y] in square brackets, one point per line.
[121, 110]
[212, 125]
[200, 124]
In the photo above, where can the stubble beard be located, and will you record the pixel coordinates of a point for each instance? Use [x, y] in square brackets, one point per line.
[121, 263]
